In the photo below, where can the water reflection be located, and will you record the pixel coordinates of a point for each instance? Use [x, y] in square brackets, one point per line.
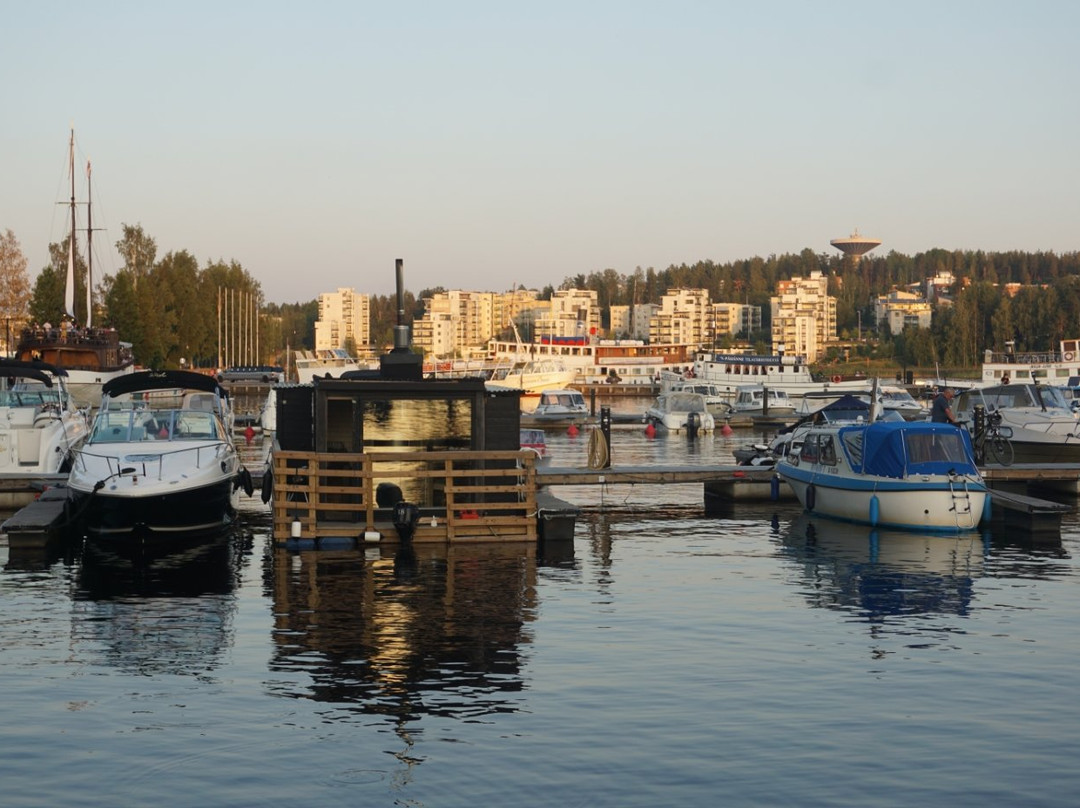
[167, 612]
[882, 573]
[433, 630]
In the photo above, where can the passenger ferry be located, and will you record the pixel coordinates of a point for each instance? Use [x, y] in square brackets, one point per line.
[603, 361]
[789, 374]
[1047, 367]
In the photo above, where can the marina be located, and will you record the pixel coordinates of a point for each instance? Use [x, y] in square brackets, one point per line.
[422, 657]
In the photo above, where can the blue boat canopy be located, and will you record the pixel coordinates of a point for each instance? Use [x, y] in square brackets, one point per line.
[903, 448]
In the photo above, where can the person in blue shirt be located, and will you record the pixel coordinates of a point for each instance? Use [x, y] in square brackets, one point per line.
[941, 410]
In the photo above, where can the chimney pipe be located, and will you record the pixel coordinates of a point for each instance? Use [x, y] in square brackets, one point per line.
[401, 331]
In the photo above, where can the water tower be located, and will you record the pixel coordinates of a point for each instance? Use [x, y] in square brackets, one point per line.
[855, 245]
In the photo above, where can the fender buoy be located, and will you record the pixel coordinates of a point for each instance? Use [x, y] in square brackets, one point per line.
[836, 379]
[811, 497]
[774, 488]
[875, 510]
[267, 485]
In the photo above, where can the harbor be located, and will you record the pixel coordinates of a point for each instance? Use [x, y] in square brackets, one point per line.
[766, 621]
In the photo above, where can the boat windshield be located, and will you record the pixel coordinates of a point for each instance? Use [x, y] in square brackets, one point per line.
[1019, 395]
[155, 425]
[30, 397]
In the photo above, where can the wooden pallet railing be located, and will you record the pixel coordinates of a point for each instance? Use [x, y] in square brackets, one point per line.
[469, 494]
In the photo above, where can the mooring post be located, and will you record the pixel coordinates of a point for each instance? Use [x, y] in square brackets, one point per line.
[605, 429]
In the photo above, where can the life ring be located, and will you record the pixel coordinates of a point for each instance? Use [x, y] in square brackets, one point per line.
[1068, 356]
[836, 379]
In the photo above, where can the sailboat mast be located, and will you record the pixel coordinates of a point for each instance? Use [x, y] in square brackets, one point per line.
[69, 289]
[89, 248]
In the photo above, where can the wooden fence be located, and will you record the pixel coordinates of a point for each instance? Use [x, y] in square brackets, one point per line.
[462, 495]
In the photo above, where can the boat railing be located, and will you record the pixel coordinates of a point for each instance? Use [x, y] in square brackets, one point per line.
[1043, 358]
[144, 463]
[462, 495]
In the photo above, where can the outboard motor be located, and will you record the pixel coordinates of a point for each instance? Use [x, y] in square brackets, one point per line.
[406, 515]
[693, 424]
[387, 495]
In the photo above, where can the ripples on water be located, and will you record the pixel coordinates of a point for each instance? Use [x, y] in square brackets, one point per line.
[762, 659]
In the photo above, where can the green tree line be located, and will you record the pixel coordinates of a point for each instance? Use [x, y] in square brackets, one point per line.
[167, 307]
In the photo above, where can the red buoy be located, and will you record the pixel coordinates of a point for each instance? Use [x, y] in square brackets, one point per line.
[572, 431]
[650, 430]
[725, 430]
[249, 434]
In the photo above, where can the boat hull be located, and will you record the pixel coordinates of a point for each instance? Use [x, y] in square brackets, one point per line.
[933, 504]
[185, 513]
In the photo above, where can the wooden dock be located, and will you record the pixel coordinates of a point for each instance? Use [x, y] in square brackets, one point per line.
[726, 485]
[461, 495]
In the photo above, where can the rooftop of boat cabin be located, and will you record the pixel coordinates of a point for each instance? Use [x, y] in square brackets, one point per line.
[365, 413]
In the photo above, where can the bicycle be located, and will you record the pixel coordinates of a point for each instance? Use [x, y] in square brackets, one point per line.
[992, 445]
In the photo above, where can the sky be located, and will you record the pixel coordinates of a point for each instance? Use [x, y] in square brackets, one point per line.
[492, 144]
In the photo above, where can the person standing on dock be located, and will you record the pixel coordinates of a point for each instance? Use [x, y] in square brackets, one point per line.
[941, 410]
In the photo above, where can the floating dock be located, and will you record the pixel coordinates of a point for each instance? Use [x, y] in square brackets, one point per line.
[43, 521]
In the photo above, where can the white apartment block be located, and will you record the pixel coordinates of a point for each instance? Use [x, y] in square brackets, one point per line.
[455, 321]
[803, 316]
[684, 316]
[343, 314]
[734, 318]
[898, 309]
[632, 322]
[574, 313]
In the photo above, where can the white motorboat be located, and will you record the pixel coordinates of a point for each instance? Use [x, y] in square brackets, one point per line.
[756, 399]
[913, 475]
[40, 426]
[680, 412]
[560, 405]
[892, 398]
[1043, 426]
[532, 378]
[899, 400]
[326, 362]
[160, 460]
[717, 400]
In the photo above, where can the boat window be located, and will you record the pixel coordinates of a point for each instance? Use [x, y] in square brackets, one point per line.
[810, 449]
[936, 447]
[827, 451]
[196, 426]
[853, 440]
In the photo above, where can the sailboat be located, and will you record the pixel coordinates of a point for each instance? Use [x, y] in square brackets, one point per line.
[90, 355]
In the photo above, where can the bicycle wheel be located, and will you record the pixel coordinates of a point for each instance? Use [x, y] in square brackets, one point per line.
[1000, 450]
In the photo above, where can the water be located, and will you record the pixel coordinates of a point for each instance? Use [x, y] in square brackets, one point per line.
[766, 659]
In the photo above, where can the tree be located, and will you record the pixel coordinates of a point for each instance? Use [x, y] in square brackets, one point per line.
[47, 299]
[14, 286]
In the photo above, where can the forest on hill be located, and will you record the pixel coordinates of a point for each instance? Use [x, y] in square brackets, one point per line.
[168, 306]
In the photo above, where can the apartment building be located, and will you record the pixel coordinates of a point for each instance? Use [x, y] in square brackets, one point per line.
[343, 315]
[573, 313]
[803, 316]
[684, 316]
[632, 322]
[898, 309]
[455, 321]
